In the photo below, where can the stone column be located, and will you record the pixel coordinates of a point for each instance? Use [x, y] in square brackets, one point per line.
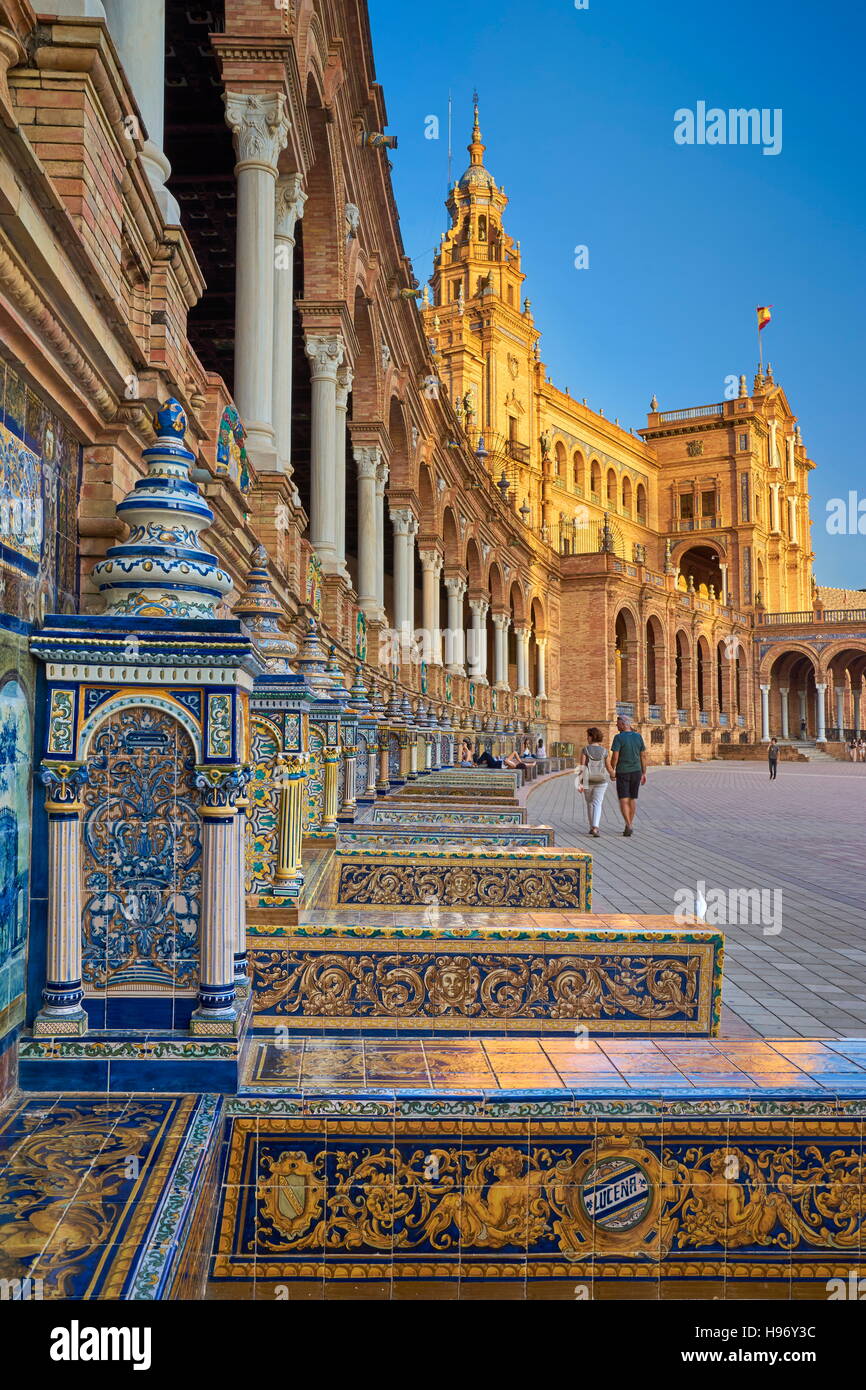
[344, 387]
[367, 459]
[803, 710]
[405, 756]
[775, 518]
[454, 652]
[347, 809]
[783, 695]
[216, 1014]
[792, 519]
[138, 32]
[381, 480]
[821, 714]
[260, 127]
[765, 714]
[291, 770]
[840, 707]
[331, 761]
[62, 995]
[478, 640]
[522, 634]
[500, 650]
[856, 699]
[541, 646]
[413, 755]
[404, 525]
[431, 568]
[325, 352]
[289, 207]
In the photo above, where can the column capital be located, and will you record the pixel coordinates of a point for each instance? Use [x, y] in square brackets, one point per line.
[479, 606]
[404, 521]
[541, 643]
[260, 125]
[367, 460]
[456, 586]
[289, 205]
[325, 351]
[764, 687]
[818, 686]
[63, 782]
[521, 631]
[345, 377]
[382, 472]
[431, 560]
[219, 786]
[501, 620]
[783, 689]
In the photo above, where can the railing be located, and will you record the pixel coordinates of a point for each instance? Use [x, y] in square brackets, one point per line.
[568, 538]
[519, 452]
[696, 523]
[694, 412]
[845, 615]
[803, 617]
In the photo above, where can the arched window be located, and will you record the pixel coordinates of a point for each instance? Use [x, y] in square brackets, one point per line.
[482, 228]
[611, 488]
[641, 502]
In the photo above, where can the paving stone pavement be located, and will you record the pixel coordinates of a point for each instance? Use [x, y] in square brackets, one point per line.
[801, 971]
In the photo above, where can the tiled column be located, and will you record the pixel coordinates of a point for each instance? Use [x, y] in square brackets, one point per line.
[454, 652]
[372, 760]
[289, 206]
[291, 771]
[765, 714]
[367, 460]
[62, 995]
[347, 809]
[242, 984]
[260, 127]
[331, 759]
[344, 387]
[325, 352]
[384, 782]
[500, 650]
[216, 1013]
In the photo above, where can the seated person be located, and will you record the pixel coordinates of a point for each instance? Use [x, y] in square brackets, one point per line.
[513, 760]
[526, 752]
[466, 758]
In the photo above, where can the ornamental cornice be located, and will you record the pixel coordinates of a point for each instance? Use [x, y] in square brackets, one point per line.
[36, 311]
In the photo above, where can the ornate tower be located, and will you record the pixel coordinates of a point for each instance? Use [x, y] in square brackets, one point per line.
[484, 340]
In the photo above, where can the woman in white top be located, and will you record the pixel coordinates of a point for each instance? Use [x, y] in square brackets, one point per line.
[594, 776]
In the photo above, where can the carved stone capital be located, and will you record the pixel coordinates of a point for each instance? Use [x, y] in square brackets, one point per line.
[404, 521]
[326, 352]
[260, 126]
[288, 206]
[368, 458]
[345, 377]
[431, 560]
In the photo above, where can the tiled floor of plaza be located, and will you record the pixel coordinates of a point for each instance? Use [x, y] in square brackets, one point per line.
[728, 826]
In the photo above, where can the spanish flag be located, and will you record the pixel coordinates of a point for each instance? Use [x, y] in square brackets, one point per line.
[764, 315]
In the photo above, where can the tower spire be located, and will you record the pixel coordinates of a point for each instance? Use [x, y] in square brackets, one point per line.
[476, 148]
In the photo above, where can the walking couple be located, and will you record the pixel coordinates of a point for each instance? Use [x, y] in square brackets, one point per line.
[625, 764]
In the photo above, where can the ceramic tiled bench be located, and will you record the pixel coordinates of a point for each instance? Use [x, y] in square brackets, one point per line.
[551, 981]
[465, 880]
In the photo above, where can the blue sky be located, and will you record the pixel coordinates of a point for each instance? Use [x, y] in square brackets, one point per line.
[577, 112]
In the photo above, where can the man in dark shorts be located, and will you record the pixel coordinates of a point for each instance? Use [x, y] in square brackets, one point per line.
[628, 760]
